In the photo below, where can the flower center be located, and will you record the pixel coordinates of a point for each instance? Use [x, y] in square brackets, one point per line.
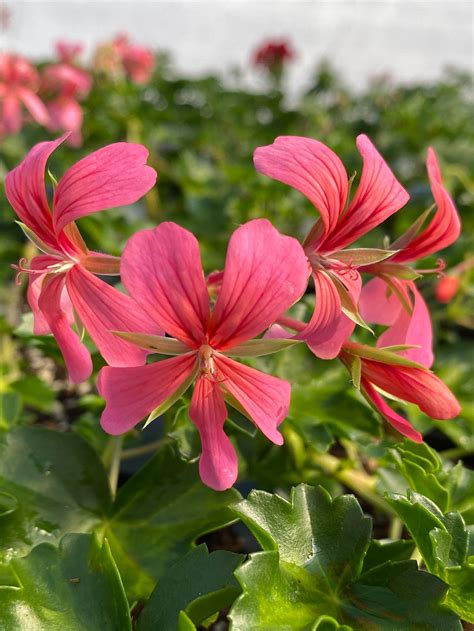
[206, 360]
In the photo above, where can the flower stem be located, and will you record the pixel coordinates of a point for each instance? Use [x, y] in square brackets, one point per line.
[114, 469]
[133, 452]
[356, 480]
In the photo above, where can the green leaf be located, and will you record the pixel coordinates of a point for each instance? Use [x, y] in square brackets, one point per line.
[260, 347]
[157, 516]
[310, 575]
[199, 584]
[442, 540]
[157, 343]
[60, 486]
[301, 529]
[10, 408]
[380, 552]
[450, 488]
[362, 256]
[379, 355]
[58, 483]
[74, 586]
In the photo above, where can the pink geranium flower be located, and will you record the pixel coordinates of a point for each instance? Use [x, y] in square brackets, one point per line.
[392, 301]
[19, 83]
[404, 380]
[70, 85]
[62, 278]
[68, 52]
[317, 172]
[121, 57]
[265, 273]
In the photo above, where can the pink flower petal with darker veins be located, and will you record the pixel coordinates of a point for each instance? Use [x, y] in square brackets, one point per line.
[162, 270]
[133, 393]
[265, 273]
[76, 355]
[311, 168]
[102, 308]
[113, 176]
[265, 399]
[40, 264]
[444, 228]
[416, 385]
[380, 306]
[398, 422]
[218, 462]
[25, 190]
[378, 196]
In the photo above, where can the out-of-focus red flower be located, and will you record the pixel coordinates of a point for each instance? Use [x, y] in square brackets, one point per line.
[120, 57]
[446, 288]
[19, 83]
[273, 54]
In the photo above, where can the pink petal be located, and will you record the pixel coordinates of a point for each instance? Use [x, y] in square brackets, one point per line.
[265, 273]
[266, 399]
[328, 328]
[35, 282]
[414, 329]
[102, 308]
[65, 114]
[378, 196]
[113, 176]
[25, 190]
[11, 117]
[415, 385]
[218, 465]
[398, 422]
[132, 393]
[379, 305]
[311, 168]
[162, 270]
[444, 228]
[76, 355]
[34, 105]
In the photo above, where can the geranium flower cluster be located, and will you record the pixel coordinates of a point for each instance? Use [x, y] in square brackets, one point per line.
[52, 97]
[205, 324]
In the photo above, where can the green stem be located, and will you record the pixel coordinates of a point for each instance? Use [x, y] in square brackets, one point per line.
[455, 452]
[358, 481]
[114, 468]
[396, 528]
[133, 452]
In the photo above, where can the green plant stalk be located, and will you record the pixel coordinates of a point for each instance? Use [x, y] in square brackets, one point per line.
[356, 480]
[114, 469]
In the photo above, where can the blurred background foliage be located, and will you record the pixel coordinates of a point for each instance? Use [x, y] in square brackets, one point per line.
[201, 134]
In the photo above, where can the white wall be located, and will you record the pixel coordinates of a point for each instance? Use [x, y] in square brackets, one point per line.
[411, 39]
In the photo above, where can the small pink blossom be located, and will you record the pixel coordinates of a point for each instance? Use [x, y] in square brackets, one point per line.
[121, 57]
[68, 52]
[70, 85]
[317, 172]
[62, 279]
[389, 299]
[19, 83]
[414, 384]
[265, 273]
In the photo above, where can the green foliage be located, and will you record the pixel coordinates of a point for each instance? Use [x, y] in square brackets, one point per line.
[74, 586]
[311, 571]
[443, 542]
[198, 585]
[53, 483]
